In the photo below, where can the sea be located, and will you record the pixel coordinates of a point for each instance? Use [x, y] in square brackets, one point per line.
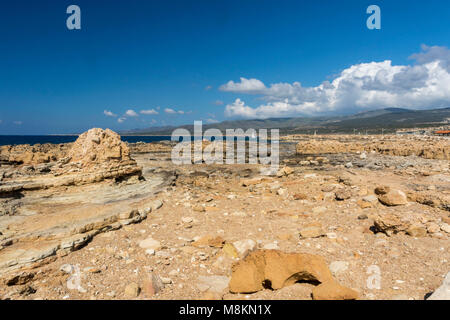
[55, 139]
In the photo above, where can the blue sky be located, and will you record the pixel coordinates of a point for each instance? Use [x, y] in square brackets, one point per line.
[215, 60]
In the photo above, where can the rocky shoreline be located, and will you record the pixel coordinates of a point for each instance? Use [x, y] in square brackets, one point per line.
[139, 227]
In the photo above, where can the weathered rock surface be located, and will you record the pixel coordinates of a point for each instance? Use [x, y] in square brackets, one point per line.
[275, 269]
[391, 197]
[428, 148]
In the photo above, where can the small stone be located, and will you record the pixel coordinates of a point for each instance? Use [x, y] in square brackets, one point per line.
[311, 232]
[152, 285]
[132, 290]
[150, 243]
[215, 284]
[230, 250]
[209, 241]
[433, 227]
[199, 209]
[343, 194]
[338, 266]
[187, 219]
[300, 196]
[445, 227]
[364, 204]
[371, 198]
[417, 231]
[166, 280]
[92, 270]
[244, 247]
[157, 204]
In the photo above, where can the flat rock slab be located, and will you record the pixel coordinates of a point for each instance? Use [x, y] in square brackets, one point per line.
[63, 219]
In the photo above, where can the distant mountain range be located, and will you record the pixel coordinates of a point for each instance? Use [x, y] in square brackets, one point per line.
[389, 119]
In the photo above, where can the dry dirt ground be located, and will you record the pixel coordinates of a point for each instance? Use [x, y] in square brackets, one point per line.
[237, 203]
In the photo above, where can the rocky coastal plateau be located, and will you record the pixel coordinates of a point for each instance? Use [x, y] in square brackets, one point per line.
[345, 217]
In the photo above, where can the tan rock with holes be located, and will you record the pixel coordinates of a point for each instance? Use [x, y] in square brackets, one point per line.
[275, 269]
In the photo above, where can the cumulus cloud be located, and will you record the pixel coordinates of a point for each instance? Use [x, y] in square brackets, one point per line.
[151, 111]
[121, 119]
[172, 111]
[131, 113]
[423, 85]
[169, 111]
[245, 86]
[109, 113]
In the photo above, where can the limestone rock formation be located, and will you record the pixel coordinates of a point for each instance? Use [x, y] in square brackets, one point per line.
[427, 147]
[275, 269]
[98, 146]
[100, 154]
[33, 155]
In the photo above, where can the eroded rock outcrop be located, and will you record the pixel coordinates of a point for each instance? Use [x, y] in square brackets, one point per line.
[275, 269]
[98, 146]
[98, 155]
[425, 147]
[33, 155]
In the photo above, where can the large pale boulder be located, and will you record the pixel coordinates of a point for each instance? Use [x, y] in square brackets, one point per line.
[98, 155]
[98, 146]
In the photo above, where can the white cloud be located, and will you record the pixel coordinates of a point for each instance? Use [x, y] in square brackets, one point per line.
[151, 111]
[374, 85]
[212, 121]
[109, 113]
[19, 123]
[218, 102]
[169, 111]
[131, 113]
[121, 119]
[207, 88]
[172, 111]
[245, 86]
